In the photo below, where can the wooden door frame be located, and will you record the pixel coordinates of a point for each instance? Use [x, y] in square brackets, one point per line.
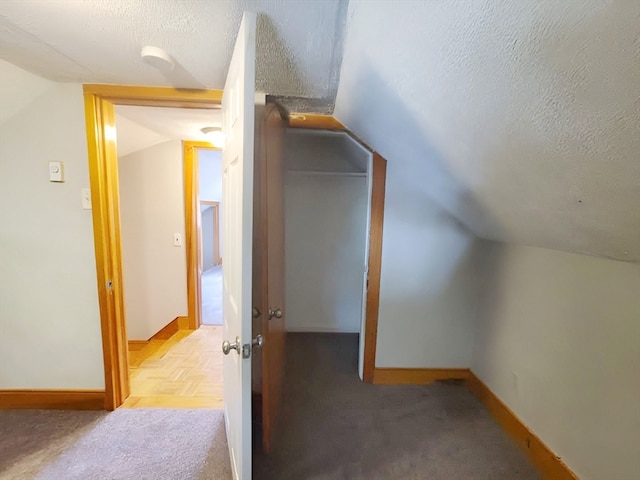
[379, 175]
[99, 102]
[193, 228]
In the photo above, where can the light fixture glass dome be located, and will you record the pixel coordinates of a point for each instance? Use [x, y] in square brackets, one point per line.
[214, 135]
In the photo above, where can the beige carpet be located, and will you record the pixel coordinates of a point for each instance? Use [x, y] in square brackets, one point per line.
[138, 444]
[334, 427]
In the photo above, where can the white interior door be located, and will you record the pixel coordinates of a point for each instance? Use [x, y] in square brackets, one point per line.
[237, 220]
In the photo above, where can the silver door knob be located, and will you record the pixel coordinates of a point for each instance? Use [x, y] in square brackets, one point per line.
[257, 342]
[256, 312]
[227, 346]
[275, 312]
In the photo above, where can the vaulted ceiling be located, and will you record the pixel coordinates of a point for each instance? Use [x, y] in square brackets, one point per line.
[520, 119]
[99, 41]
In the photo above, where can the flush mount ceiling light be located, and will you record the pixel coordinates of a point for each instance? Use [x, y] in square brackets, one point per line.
[214, 135]
[157, 58]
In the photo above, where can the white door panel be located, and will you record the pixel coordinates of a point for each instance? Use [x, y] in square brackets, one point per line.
[237, 224]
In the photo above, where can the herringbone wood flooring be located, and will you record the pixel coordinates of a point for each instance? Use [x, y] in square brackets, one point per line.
[182, 372]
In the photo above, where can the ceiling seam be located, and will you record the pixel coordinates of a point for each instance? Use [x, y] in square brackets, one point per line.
[29, 34]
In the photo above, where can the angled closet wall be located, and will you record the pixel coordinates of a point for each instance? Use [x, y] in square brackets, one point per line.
[327, 197]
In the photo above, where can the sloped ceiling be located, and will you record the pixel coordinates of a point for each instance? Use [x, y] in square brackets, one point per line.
[132, 137]
[99, 41]
[18, 88]
[143, 127]
[521, 118]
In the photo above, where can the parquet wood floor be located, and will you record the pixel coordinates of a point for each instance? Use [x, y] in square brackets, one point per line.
[184, 371]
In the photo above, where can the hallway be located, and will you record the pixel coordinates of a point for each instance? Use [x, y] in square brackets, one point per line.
[211, 281]
[184, 371]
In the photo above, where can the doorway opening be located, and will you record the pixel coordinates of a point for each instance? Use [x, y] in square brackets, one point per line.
[327, 190]
[333, 207]
[209, 173]
[100, 101]
[109, 231]
[172, 361]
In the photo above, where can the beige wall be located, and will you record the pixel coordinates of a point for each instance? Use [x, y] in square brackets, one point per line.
[151, 211]
[558, 341]
[428, 285]
[207, 221]
[49, 318]
[325, 232]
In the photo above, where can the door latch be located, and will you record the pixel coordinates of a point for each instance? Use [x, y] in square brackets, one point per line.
[248, 347]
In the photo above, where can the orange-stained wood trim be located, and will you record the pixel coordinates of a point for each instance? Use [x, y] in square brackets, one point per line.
[52, 399]
[375, 267]
[417, 376]
[156, 96]
[103, 175]
[193, 229]
[549, 465]
[315, 121]
[100, 103]
[137, 345]
[322, 122]
[171, 328]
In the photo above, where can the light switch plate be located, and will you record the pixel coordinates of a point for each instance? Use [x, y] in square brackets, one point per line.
[177, 240]
[56, 172]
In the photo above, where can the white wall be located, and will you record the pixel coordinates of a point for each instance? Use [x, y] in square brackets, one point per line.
[428, 289]
[325, 230]
[152, 210]
[49, 318]
[559, 342]
[210, 174]
[323, 151]
[207, 222]
[19, 89]
[210, 189]
[428, 285]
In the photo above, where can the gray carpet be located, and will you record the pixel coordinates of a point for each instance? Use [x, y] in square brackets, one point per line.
[211, 286]
[336, 427]
[127, 444]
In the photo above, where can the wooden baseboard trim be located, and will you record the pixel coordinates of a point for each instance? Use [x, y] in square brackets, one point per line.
[137, 345]
[315, 121]
[549, 465]
[178, 323]
[52, 399]
[318, 330]
[417, 376]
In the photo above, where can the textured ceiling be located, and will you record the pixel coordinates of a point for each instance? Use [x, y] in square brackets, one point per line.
[98, 41]
[521, 119]
[142, 127]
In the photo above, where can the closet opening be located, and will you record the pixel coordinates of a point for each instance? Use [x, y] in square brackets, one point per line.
[327, 217]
